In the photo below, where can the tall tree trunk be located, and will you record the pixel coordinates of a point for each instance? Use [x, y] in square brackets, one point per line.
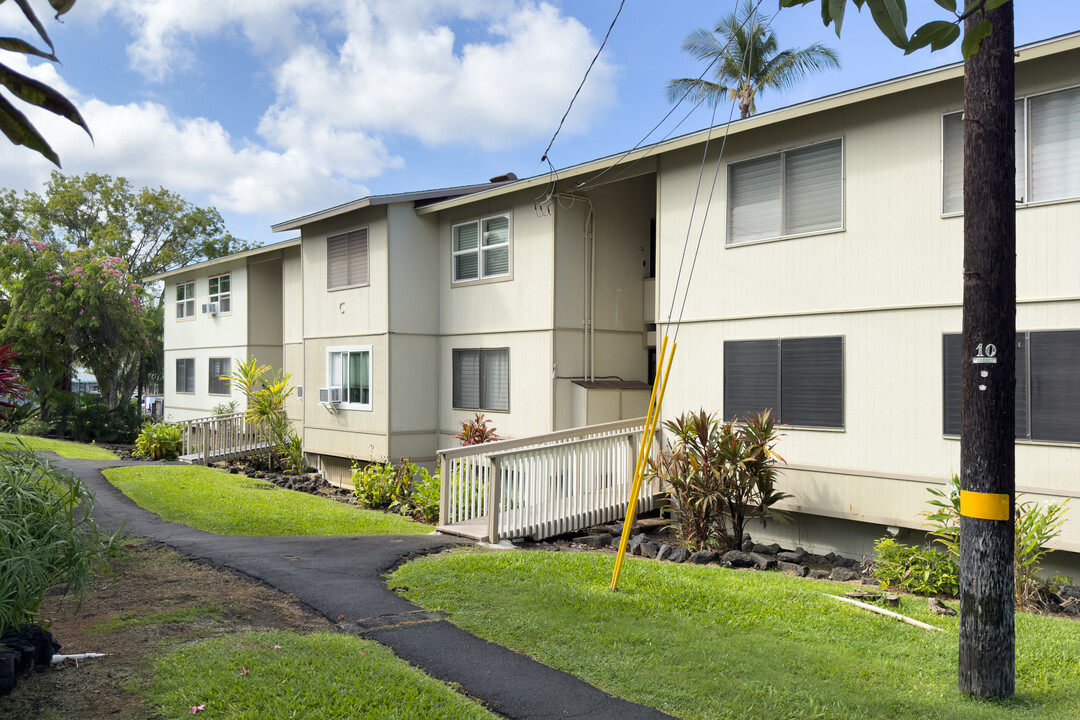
[987, 632]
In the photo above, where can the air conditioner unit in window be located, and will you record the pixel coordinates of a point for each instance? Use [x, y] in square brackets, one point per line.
[329, 395]
[210, 309]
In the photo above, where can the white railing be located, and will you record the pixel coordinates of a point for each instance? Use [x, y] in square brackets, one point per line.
[544, 485]
[219, 437]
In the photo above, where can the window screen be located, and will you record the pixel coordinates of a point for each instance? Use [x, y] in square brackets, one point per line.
[812, 382]
[185, 375]
[347, 259]
[801, 380]
[482, 379]
[351, 371]
[789, 193]
[219, 367]
[751, 378]
[1055, 145]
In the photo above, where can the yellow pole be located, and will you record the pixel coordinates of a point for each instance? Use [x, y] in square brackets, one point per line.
[643, 454]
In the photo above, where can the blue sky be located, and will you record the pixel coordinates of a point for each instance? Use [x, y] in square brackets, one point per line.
[273, 109]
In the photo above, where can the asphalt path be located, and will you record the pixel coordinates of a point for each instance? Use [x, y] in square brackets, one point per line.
[343, 577]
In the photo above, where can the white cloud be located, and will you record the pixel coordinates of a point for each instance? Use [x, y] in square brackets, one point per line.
[349, 76]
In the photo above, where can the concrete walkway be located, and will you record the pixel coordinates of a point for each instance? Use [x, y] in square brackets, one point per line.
[343, 576]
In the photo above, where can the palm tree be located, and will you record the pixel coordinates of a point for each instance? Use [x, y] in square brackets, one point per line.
[744, 52]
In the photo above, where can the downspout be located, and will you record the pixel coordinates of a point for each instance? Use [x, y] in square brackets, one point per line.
[588, 285]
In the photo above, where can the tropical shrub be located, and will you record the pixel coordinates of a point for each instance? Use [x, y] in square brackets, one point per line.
[47, 535]
[159, 441]
[34, 426]
[720, 476]
[266, 395]
[920, 570]
[86, 417]
[405, 489]
[1035, 526]
[476, 431]
[224, 408]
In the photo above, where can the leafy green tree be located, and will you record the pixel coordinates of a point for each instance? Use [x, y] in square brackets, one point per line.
[153, 230]
[68, 306]
[13, 123]
[746, 59]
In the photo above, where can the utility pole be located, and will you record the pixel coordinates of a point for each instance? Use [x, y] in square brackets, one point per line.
[987, 438]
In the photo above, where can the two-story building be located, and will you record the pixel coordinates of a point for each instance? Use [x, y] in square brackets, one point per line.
[814, 268]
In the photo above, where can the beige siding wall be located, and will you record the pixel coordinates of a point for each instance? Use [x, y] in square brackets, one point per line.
[223, 330]
[530, 384]
[348, 311]
[414, 394]
[184, 406]
[292, 282]
[293, 362]
[356, 434]
[523, 302]
[890, 283]
[414, 270]
[265, 301]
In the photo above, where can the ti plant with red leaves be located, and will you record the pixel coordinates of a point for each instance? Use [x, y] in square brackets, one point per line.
[476, 431]
[12, 389]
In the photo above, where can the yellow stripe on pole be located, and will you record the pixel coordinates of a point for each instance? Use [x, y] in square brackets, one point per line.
[985, 506]
[643, 453]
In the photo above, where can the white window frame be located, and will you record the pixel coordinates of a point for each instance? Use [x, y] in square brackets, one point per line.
[480, 250]
[338, 349]
[217, 297]
[729, 241]
[1024, 163]
[185, 309]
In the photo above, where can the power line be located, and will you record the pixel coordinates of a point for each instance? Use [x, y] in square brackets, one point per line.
[595, 57]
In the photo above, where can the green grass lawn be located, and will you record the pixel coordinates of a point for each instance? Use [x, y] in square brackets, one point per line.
[712, 643]
[213, 500]
[323, 676]
[63, 448]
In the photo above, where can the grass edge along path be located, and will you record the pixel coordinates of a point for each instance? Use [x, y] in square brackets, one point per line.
[216, 501]
[63, 448]
[331, 676]
[700, 642]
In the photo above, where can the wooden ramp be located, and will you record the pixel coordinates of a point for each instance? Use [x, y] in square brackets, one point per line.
[541, 486]
[220, 437]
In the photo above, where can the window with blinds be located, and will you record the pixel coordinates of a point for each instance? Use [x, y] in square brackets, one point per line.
[219, 368]
[1047, 385]
[347, 259]
[1047, 151]
[790, 193]
[350, 370]
[481, 249]
[482, 379]
[801, 380]
[185, 375]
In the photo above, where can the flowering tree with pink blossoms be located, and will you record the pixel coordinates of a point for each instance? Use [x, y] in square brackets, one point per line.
[60, 307]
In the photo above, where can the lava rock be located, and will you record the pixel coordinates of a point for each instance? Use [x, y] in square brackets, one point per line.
[8, 672]
[819, 574]
[843, 574]
[664, 551]
[796, 568]
[747, 544]
[678, 555]
[846, 562]
[648, 549]
[763, 562]
[702, 557]
[634, 545]
[734, 558]
[812, 559]
[594, 541]
[790, 557]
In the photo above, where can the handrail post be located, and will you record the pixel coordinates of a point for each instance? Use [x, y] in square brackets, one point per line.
[494, 499]
[444, 488]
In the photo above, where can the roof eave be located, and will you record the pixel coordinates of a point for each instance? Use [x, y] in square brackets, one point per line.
[255, 252]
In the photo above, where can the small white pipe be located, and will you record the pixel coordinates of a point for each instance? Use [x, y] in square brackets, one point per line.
[890, 613]
[57, 659]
